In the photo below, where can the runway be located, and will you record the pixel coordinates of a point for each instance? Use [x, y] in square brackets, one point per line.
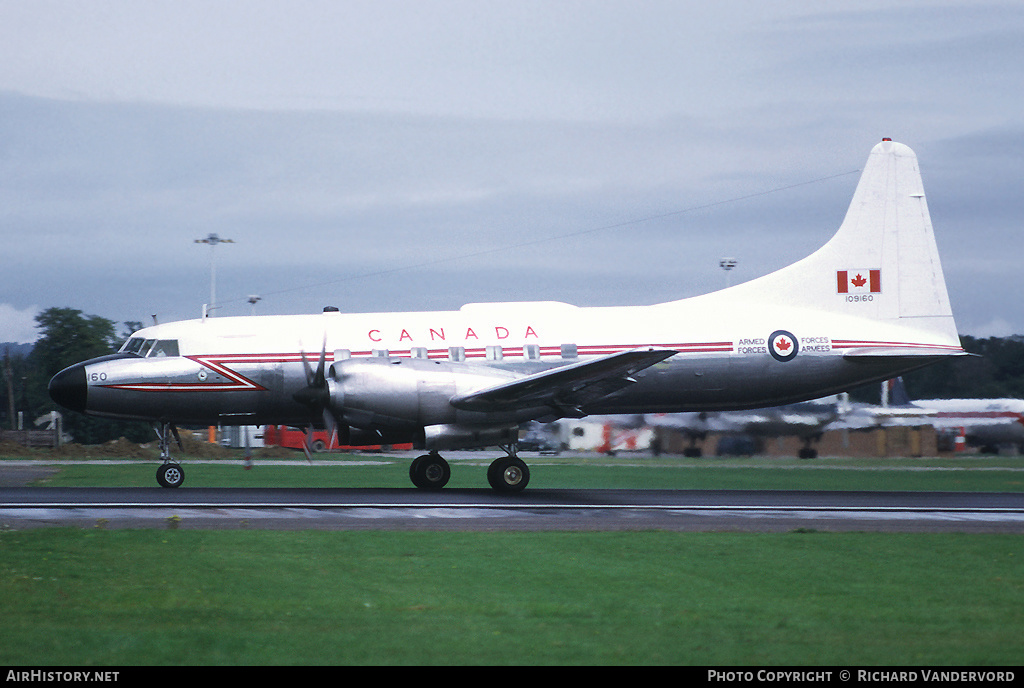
[482, 509]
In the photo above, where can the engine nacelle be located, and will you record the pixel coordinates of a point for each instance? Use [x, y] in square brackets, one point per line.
[406, 393]
[438, 437]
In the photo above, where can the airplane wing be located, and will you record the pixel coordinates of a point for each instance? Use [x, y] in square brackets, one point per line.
[566, 388]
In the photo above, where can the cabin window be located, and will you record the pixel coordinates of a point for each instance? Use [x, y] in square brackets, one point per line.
[569, 351]
[419, 352]
[532, 352]
[494, 353]
[456, 353]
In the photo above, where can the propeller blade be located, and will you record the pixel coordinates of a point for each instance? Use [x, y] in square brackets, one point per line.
[307, 444]
[315, 393]
[177, 437]
[331, 423]
[320, 380]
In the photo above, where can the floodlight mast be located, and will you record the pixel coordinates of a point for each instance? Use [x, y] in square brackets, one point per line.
[727, 264]
[212, 239]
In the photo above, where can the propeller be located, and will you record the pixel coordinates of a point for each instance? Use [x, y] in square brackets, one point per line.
[177, 437]
[317, 397]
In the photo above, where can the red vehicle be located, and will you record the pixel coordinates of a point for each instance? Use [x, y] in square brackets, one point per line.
[284, 436]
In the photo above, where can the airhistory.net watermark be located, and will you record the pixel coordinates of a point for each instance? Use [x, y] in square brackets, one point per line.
[52, 676]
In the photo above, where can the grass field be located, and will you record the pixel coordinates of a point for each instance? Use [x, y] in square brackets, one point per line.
[78, 597]
[94, 597]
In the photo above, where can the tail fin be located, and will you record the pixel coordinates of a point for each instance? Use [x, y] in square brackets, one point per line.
[883, 260]
[894, 393]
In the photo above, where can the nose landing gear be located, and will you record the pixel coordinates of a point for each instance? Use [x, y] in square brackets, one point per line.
[170, 473]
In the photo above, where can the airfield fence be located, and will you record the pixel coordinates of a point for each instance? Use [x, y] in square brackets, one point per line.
[31, 438]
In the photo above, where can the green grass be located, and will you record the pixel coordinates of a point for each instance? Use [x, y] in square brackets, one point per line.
[235, 597]
[95, 597]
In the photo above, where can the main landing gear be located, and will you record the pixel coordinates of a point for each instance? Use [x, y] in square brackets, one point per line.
[507, 474]
[430, 472]
[170, 473]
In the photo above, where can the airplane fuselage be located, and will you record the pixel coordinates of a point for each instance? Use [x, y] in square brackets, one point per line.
[247, 370]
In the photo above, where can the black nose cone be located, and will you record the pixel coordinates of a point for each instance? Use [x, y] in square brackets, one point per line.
[68, 388]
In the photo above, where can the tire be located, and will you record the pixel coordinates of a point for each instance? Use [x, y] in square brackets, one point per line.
[170, 475]
[430, 472]
[508, 474]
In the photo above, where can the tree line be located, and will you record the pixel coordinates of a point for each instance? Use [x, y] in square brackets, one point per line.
[68, 336]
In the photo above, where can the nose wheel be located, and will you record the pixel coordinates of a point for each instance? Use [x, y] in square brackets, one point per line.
[170, 474]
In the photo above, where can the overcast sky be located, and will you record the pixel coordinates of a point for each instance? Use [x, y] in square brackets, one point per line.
[412, 155]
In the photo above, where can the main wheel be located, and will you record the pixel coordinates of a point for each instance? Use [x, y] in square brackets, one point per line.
[170, 475]
[430, 472]
[508, 474]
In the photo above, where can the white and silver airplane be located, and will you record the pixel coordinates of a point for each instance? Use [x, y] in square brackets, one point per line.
[869, 305]
[807, 420]
[986, 423]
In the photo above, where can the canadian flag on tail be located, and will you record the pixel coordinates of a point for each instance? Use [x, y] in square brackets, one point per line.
[859, 281]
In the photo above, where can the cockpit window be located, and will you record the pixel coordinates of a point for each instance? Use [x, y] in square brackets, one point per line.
[164, 347]
[150, 348]
[132, 346]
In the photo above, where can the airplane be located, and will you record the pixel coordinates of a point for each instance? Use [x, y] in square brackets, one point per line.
[867, 306]
[808, 420]
[985, 423]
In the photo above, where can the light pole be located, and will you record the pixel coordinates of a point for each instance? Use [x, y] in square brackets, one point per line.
[213, 240]
[727, 264]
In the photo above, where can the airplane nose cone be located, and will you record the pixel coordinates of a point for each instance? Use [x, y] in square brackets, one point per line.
[68, 388]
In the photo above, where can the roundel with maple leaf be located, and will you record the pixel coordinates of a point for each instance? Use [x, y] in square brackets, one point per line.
[783, 346]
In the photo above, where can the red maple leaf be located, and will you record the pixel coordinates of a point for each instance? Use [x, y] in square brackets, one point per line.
[783, 344]
[859, 280]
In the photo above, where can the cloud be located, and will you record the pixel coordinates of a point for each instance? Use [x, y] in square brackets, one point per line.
[410, 155]
[18, 326]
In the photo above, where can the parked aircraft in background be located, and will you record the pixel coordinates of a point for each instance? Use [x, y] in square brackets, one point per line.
[869, 305]
[807, 420]
[986, 423]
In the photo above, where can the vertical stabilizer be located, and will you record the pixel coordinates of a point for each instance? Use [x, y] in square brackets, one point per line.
[882, 264]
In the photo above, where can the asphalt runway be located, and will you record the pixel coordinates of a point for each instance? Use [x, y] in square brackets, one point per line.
[532, 510]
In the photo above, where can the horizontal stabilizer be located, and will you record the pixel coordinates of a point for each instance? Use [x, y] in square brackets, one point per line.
[908, 351]
[567, 387]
